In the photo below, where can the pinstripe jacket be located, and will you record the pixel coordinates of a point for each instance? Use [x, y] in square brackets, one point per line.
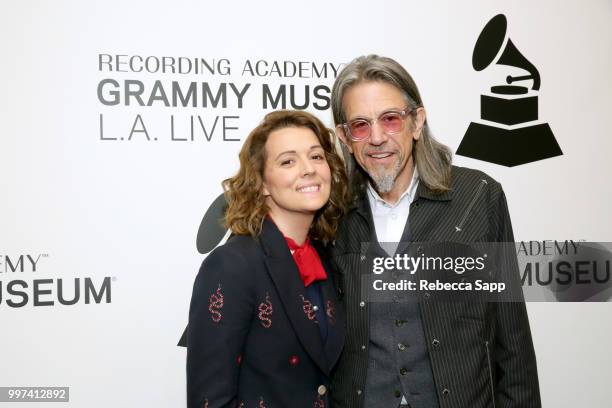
[481, 353]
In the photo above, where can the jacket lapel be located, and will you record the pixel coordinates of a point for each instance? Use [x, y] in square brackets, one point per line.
[285, 275]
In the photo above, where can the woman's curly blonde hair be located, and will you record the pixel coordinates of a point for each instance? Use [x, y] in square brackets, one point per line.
[244, 192]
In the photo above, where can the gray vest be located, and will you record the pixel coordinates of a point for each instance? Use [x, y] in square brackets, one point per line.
[398, 360]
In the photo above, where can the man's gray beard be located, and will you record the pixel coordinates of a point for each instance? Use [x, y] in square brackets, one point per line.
[383, 183]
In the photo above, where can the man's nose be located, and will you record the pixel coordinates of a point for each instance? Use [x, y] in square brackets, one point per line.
[377, 135]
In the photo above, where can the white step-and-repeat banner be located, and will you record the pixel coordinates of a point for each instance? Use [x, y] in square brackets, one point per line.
[120, 119]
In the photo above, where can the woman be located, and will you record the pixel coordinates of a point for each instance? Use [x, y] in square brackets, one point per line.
[265, 327]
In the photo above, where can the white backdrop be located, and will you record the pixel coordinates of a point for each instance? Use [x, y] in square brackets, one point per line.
[129, 211]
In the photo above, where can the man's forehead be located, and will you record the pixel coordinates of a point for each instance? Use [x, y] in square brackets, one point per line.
[372, 98]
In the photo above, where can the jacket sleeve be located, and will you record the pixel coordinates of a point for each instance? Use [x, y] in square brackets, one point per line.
[513, 355]
[220, 315]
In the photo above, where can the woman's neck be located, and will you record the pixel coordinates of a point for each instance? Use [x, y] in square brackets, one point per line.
[294, 226]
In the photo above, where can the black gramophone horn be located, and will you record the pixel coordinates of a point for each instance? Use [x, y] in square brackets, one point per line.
[489, 43]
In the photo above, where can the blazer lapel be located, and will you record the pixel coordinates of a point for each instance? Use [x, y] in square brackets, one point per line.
[284, 273]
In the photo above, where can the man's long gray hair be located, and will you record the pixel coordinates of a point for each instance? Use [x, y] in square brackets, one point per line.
[432, 159]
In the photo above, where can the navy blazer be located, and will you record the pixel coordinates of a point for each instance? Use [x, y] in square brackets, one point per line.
[256, 336]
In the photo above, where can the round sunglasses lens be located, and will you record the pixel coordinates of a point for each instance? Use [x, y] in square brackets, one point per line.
[360, 129]
[391, 122]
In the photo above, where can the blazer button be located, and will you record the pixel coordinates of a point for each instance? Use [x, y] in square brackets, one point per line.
[361, 304]
[445, 391]
[358, 392]
[435, 342]
[315, 308]
[322, 390]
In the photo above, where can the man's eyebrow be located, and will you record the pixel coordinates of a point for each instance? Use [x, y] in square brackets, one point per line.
[381, 113]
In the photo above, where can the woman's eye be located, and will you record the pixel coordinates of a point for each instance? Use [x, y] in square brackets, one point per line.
[287, 162]
[318, 156]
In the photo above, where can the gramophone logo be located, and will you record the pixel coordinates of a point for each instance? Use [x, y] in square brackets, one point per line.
[510, 133]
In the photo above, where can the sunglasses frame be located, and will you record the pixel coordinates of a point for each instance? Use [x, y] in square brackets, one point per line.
[403, 115]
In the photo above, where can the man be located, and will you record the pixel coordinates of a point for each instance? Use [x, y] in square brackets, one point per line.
[418, 354]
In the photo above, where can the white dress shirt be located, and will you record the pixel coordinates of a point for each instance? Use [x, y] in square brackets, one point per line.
[390, 219]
